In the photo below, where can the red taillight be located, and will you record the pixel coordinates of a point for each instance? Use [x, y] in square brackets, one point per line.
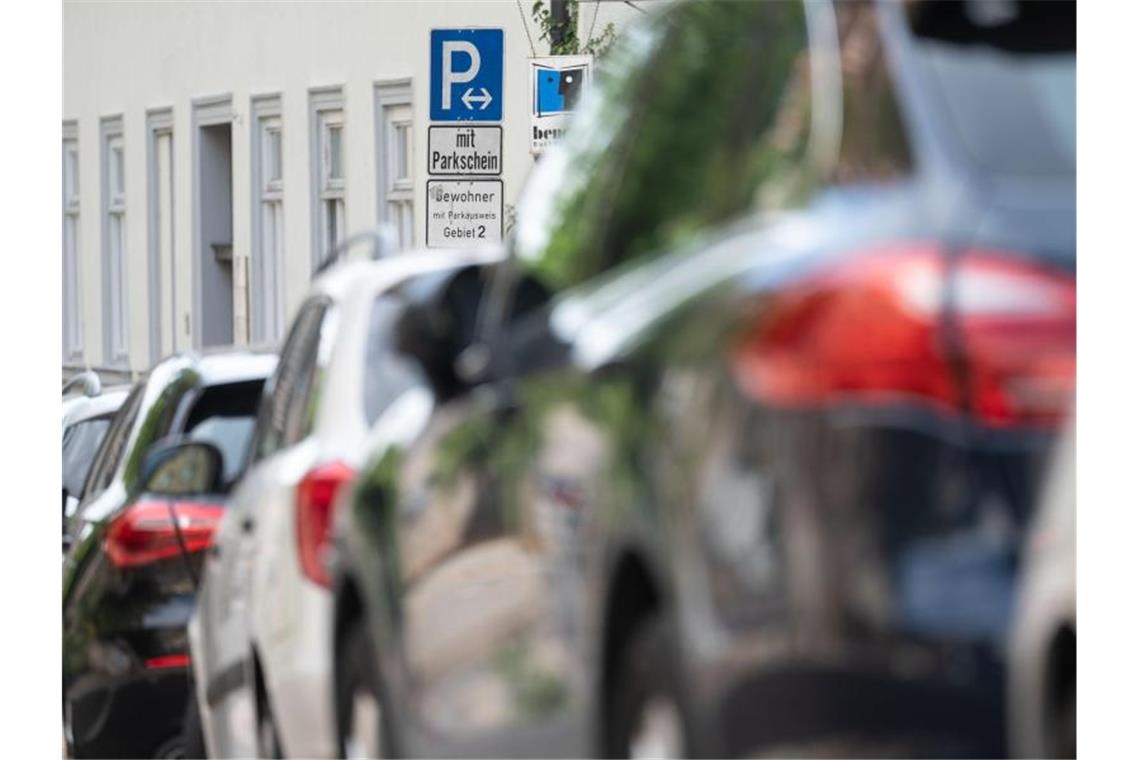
[865, 328]
[145, 532]
[316, 495]
[1017, 322]
[168, 661]
[873, 330]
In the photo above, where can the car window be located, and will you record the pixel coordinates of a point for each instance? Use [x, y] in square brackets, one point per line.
[111, 451]
[305, 400]
[1008, 89]
[80, 442]
[294, 370]
[387, 371]
[1012, 114]
[874, 147]
[223, 415]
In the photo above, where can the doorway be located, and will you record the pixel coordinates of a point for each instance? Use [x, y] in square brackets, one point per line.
[213, 247]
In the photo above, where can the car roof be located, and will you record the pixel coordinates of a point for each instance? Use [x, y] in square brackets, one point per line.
[230, 364]
[80, 408]
[340, 280]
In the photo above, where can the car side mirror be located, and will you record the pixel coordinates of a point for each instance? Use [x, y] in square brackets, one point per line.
[182, 469]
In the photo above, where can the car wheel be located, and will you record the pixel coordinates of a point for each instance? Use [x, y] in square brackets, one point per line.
[360, 714]
[648, 710]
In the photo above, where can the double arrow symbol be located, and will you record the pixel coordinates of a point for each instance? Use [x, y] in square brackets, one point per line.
[484, 98]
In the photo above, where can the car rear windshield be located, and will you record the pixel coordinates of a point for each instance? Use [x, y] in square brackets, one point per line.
[224, 415]
[80, 442]
[1005, 74]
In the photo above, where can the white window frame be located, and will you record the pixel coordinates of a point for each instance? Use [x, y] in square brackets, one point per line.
[267, 289]
[116, 312]
[159, 124]
[72, 299]
[326, 111]
[395, 196]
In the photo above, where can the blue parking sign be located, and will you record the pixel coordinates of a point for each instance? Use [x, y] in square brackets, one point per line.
[466, 74]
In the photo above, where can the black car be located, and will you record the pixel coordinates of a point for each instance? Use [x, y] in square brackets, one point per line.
[739, 456]
[137, 541]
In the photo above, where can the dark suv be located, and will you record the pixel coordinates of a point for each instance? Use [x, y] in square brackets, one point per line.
[754, 479]
[130, 575]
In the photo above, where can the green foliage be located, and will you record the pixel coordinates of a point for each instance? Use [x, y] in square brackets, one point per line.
[570, 44]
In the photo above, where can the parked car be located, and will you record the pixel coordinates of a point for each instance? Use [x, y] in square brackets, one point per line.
[754, 479]
[260, 637]
[86, 418]
[138, 537]
[1043, 648]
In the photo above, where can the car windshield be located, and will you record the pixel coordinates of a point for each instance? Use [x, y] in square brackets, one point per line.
[80, 442]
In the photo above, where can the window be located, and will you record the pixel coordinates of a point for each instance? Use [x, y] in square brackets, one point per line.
[328, 125]
[268, 220]
[394, 157]
[80, 443]
[114, 243]
[114, 443]
[223, 415]
[284, 405]
[160, 232]
[387, 372]
[72, 327]
[873, 147]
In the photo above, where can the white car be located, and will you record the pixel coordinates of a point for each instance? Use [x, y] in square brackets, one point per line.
[261, 634]
[1042, 692]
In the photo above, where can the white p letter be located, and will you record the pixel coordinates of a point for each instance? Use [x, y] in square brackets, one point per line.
[450, 48]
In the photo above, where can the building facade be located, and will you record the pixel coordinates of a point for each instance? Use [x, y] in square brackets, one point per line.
[214, 152]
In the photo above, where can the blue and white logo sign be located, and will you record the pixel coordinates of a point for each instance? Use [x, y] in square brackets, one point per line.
[557, 83]
[466, 74]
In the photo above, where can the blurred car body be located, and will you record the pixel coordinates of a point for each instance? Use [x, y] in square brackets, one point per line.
[86, 419]
[260, 636]
[755, 479]
[129, 578]
[1043, 647]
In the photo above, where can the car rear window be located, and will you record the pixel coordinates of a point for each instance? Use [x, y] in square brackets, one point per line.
[80, 442]
[1005, 76]
[223, 415]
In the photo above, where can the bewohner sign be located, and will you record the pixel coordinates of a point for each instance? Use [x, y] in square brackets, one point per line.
[464, 212]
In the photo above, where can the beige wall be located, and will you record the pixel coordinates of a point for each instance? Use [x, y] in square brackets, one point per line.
[128, 58]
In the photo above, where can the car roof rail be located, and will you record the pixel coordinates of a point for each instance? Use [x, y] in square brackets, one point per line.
[88, 381]
[382, 236]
